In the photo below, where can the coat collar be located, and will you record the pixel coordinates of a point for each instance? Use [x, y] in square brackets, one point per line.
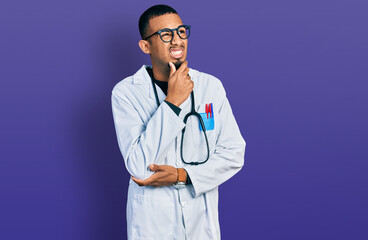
[141, 77]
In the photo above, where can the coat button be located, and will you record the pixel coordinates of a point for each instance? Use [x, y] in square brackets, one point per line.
[184, 204]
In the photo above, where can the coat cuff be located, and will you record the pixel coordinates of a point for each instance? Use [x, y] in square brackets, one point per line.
[176, 109]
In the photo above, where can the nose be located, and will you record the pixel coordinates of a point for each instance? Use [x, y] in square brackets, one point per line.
[176, 39]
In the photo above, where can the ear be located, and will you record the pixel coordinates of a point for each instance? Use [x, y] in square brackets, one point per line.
[145, 46]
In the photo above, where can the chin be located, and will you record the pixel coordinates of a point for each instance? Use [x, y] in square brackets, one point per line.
[178, 63]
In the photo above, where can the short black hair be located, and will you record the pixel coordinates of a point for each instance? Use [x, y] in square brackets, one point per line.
[154, 11]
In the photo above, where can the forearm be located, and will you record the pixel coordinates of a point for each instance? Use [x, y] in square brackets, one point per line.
[143, 144]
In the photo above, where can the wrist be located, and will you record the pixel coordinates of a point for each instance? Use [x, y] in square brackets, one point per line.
[182, 175]
[172, 101]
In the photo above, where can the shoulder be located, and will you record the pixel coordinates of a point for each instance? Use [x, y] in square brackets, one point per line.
[204, 77]
[206, 80]
[123, 89]
[130, 85]
[123, 85]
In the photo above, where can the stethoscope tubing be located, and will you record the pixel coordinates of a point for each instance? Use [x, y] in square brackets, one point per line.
[191, 113]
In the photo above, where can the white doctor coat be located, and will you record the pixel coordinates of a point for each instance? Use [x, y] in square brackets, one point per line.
[148, 134]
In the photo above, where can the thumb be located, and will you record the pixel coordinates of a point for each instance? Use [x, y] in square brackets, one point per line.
[154, 167]
[172, 68]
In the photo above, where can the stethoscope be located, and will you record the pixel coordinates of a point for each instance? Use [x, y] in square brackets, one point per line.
[194, 113]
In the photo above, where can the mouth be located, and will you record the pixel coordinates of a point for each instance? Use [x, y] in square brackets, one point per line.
[176, 53]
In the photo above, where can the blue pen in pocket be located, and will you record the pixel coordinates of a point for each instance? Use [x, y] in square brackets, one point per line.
[208, 118]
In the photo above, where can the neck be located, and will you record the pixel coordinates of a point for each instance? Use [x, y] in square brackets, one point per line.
[161, 73]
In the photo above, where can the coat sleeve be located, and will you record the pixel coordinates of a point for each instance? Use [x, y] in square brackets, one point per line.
[143, 143]
[228, 157]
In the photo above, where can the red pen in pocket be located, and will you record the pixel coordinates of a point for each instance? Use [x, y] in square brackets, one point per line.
[209, 110]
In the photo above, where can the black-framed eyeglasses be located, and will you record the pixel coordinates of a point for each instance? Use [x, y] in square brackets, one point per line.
[167, 34]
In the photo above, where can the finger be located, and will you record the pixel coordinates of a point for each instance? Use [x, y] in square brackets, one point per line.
[186, 71]
[138, 181]
[188, 78]
[154, 167]
[172, 68]
[145, 182]
[183, 66]
[191, 84]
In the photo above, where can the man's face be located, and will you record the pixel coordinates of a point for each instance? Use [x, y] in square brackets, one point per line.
[161, 52]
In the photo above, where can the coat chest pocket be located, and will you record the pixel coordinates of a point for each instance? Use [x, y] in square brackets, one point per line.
[209, 121]
[194, 141]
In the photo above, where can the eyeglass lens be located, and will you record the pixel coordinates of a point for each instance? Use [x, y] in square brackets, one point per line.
[167, 34]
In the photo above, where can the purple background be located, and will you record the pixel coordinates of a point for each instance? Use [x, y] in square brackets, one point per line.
[296, 77]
